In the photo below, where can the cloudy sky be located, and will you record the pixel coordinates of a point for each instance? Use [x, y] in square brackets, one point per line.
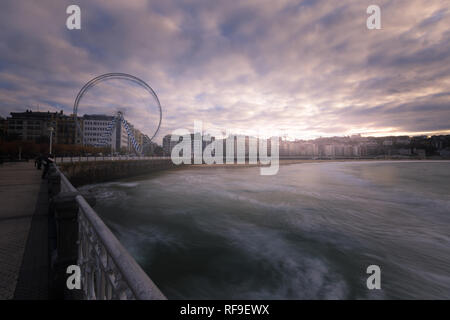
[303, 68]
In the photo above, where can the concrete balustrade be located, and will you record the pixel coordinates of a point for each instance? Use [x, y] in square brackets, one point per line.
[107, 270]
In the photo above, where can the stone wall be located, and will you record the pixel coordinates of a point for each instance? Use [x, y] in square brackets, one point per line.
[80, 173]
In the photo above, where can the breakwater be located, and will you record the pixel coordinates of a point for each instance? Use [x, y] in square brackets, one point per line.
[86, 172]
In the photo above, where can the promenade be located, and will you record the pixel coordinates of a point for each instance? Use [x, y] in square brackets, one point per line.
[24, 232]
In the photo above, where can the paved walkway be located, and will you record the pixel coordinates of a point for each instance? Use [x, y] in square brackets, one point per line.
[24, 234]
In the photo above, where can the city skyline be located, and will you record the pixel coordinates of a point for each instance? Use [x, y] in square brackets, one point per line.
[106, 121]
[304, 70]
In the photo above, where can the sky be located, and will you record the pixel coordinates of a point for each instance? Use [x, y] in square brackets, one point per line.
[302, 69]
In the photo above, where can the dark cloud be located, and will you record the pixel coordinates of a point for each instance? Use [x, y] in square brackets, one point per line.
[308, 68]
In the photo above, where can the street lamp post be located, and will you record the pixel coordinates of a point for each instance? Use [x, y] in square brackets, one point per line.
[51, 138]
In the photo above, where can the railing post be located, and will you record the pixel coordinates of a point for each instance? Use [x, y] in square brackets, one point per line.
[65, 210]
[66, 214]
[54, 182]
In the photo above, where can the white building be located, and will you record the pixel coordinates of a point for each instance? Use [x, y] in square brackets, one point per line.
[95, 132]
[328, 150]
[95, 129]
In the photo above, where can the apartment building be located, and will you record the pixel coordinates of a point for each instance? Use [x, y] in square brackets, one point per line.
[97, 132]
[36, 126]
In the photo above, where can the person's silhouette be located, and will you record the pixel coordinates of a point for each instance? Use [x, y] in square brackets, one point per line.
[47, 161]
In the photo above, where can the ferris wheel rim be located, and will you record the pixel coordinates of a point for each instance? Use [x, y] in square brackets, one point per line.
[117, 75]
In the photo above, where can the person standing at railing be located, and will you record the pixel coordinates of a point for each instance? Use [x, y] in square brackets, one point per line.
[47, 161]
[38, 161]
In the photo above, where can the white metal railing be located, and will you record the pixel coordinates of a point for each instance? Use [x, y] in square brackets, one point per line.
[104, 158]
[108, 271]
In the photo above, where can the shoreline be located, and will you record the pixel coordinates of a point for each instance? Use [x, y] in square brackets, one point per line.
[299, 161]
[282, 162]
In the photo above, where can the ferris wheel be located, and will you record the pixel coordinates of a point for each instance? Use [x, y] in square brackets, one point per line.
[118, 117]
